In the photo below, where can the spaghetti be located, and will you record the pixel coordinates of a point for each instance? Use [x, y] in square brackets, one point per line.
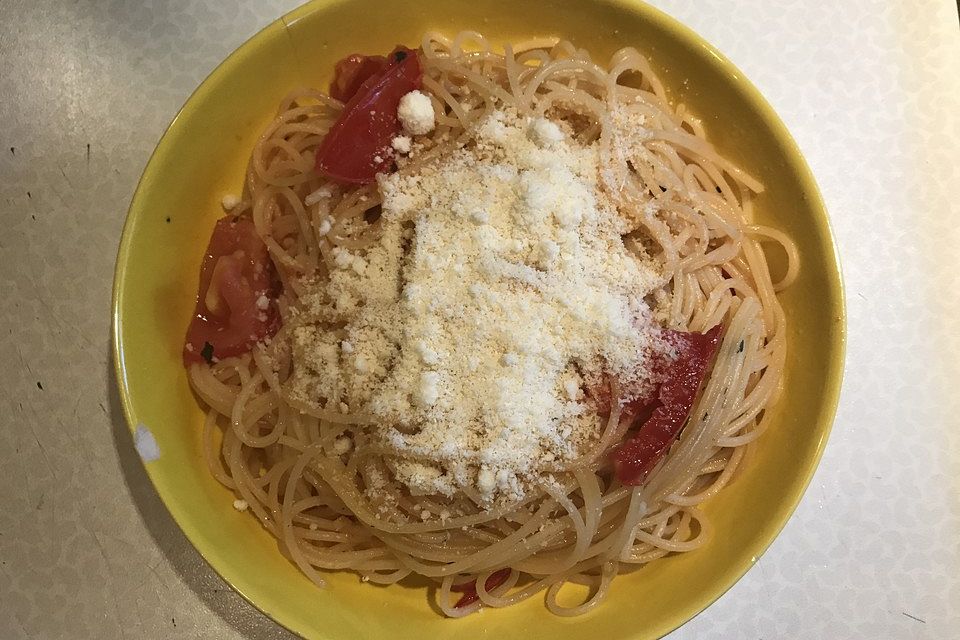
[690, 211]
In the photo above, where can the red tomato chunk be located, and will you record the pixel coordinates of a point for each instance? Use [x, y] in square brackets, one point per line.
[664, 417]
[236, 300]
[357, 147]
[352, 72]
[469, 589]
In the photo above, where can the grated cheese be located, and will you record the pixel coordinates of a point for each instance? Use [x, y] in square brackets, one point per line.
[324, 227]
[319, 195]
[545, 133]
[416, 113]
[342, 445]
[499, 287]
[401, 144]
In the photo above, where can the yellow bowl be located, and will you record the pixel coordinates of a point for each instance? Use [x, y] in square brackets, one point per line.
[202, 157]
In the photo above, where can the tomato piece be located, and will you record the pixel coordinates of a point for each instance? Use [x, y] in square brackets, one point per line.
[664, 418]
[352, 72]
[469, 589]
[231, 315]
[357, 147]
[644, 394]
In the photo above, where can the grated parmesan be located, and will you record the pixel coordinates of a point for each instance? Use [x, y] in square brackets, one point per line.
[499, 287]
[416, 113]
[544, 132]
[401, 144]
[319, 195]
[342, 445]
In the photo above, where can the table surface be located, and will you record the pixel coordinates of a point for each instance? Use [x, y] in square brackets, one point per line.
[870, 90]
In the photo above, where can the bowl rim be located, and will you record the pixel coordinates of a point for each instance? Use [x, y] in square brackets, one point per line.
[677, 29]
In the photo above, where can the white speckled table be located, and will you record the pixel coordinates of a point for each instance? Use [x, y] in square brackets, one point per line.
[870, 90]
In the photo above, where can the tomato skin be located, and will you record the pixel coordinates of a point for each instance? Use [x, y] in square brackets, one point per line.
[469, 589]
[235, 273]
[352, 72]
[357, 146]
[637, 456]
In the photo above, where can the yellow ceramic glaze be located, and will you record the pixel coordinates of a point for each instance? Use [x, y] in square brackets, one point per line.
[202, 157]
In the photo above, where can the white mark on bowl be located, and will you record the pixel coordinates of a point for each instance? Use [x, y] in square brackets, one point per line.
[145, 443]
